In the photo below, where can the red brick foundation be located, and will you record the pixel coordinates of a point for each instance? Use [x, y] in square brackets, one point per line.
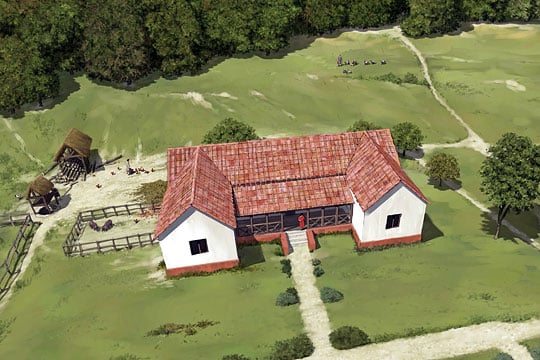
[399, 240]
[312, 245]
[203, 267]
[258, 238]
[331, 229]
[285, 244]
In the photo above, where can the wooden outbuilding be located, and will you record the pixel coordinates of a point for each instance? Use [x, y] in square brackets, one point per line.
[73, 155]
[40, 193]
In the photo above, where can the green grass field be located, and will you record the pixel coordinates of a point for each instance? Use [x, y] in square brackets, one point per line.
[103, 306]
[460, 276]
[7, 236]
[484, 355]
[490, 77]
[470, 162]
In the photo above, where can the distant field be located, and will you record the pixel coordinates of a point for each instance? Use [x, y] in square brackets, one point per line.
[461, 275]
[490, 76]
[102, 306]
[300, 92]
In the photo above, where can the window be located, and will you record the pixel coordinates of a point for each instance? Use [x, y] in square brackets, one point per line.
[198, 246]
[392, 221]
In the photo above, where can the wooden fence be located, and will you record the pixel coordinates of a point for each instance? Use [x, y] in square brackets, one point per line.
[15, 256]
[73, 247]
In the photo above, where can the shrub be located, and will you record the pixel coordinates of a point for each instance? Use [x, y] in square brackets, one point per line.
[152, 192]
[161, 265]
[535, 353]
[296, 348]
[503, 356]
[318, 271]
[287, 298]
[278, 251]
[348, 337]
[286, 267]
[292, 290]
[329, 295]
[315, 262]
[235, 357]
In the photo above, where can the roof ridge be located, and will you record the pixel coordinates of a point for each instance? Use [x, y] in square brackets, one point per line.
[194, 170]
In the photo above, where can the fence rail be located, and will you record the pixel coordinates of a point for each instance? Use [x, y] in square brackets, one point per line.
[14, 258]
[74, 247]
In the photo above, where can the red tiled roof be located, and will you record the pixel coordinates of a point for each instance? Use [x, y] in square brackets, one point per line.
[291, 195]
[373, 172]
[274, 175]
[202, 186]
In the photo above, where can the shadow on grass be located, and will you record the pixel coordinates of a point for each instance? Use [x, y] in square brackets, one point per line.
[430, 231]
[445, 184]
[68, 85]
[489, 227]
[250, 255]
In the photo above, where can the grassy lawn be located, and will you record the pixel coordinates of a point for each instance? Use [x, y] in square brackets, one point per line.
[298, 92]
[469, 163]
[490, 77]
[7, 236]
[459, 276]
[103, 306]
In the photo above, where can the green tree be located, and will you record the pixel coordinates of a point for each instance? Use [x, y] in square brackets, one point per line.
[54, 30]
[432, 16]
[372, 13]
[176, 35]
[228, 25]
[519, 10]
[229, 130]
[442, 166]
[325, 15]
[361, 125]
[25, 75]
[274, 24]
[407, 136]
[511, 175]
[115, 45]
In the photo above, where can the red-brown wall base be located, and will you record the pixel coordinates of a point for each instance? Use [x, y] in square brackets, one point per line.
[203, 267]
[399, 240]
[258, 238]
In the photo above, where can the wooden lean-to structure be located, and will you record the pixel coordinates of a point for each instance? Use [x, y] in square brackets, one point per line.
[72, 156]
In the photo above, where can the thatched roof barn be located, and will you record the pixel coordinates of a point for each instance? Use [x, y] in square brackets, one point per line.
[40, 193]
[73, 155]
[76, 140]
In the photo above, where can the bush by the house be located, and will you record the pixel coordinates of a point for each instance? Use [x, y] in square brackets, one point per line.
[278, 251]
[235, 357]
[535, 353]
[296, 348]
[289, 297]
[348, 337]
[286, 267]
[503, 356]
[318, 271]
[315, 262]
[329, 295]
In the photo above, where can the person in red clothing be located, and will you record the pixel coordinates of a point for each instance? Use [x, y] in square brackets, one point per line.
[301, 221]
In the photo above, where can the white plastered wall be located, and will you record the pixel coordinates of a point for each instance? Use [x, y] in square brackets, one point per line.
[357, 217]
[399, 200]
[195, 225]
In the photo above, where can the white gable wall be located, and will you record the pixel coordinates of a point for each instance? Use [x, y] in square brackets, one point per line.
[195, 225]
[399, 200]
[358, 216]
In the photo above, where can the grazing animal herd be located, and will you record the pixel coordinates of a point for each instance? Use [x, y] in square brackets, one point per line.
[340, 63]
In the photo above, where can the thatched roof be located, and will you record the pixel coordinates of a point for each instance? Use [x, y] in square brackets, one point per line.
[76, 140]
[41, 185]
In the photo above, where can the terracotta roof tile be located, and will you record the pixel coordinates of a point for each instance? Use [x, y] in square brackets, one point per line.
[373, 172]
[273, 175]
[200, 185]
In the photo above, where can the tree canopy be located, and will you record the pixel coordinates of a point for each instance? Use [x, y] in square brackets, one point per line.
[442, 166]
[361, 125]
[511, 175]
[229, 130]
[407, 136]
[432, 16]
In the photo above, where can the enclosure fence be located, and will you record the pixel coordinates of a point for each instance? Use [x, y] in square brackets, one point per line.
[72, 246]
[16, 253]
